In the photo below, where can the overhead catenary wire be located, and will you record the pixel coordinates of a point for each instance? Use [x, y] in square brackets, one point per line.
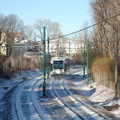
[85, 28]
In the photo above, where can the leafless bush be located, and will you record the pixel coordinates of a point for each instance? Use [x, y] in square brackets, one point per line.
[13, 65]
[103, 72]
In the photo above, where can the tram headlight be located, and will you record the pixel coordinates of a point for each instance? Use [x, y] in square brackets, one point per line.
[58, 71]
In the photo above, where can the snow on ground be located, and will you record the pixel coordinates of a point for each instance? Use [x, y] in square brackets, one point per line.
[99, 94]
[7, 88]
[6, 84]
[103, 95]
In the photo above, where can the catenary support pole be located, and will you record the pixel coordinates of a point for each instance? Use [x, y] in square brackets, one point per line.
[48, 57]
[69, 58]
[0, 42]
[69, 49]
[44, 62]
[84, 61]
[39, 60]
[116, 64]
[20, 60]
[87, 79]
[0, 51]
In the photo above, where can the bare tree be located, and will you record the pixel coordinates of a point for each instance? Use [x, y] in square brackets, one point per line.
[2, 22]
[29, 31]
[104, 33]
[11, 23]
[53, 28]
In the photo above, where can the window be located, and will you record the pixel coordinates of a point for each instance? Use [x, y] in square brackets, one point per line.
[58, 64]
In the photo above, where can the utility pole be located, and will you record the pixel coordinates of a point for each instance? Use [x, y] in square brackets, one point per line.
[48, 58]
[116, 64]
[44, 62]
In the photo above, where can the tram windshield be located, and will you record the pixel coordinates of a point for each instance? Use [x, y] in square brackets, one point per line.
[58, 64]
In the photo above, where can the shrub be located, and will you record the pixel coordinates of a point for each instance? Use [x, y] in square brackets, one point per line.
[77, 59]
[103, 71]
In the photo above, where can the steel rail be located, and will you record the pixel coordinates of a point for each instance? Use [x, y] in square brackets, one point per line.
[16, 97]
[71, 109]
[79, 101]
[34, 100]
[85, 104]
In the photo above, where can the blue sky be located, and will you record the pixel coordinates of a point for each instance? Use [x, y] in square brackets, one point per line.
[70, 14]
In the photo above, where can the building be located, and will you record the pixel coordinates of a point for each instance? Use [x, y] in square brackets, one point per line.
[66, 46]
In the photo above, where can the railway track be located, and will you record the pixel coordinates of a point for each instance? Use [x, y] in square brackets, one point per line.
[30, 107]
[28, 103]
[26, 107]
[82, 110]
